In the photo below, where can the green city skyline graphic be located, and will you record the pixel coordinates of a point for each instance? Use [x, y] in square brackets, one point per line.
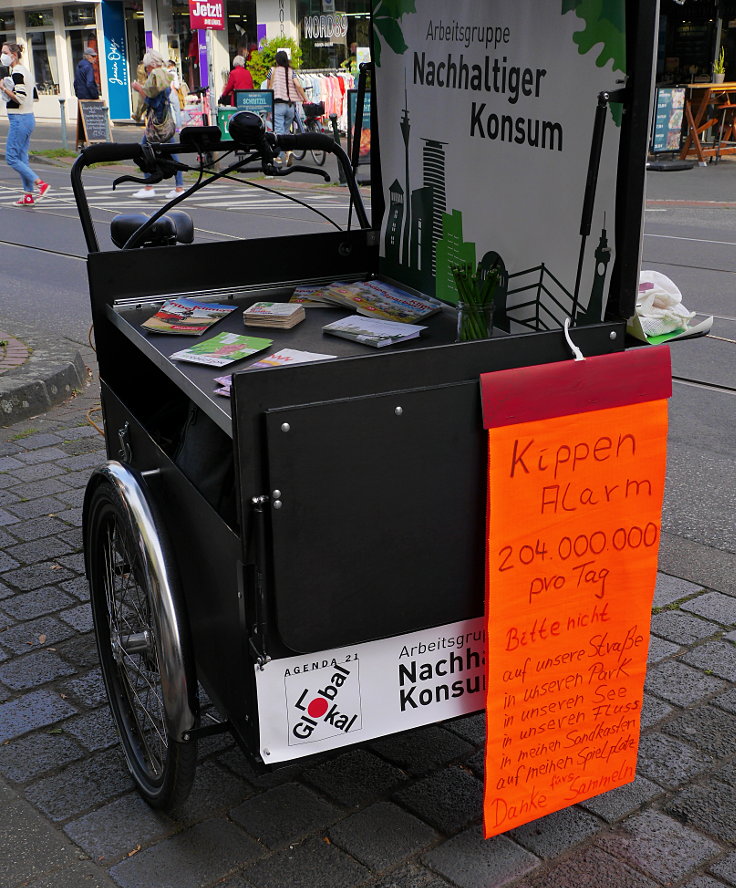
[423, 240]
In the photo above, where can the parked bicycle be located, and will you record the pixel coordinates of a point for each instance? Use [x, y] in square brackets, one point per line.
[313, 111]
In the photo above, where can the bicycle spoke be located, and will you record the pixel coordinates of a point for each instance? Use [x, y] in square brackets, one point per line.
[128, 612]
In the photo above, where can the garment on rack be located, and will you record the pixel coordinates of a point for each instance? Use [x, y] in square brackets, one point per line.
[331, 87]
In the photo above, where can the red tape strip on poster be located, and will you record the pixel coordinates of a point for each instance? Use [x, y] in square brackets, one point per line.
[575, 499]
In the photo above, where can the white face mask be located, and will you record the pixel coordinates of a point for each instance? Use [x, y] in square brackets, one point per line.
[6, 59]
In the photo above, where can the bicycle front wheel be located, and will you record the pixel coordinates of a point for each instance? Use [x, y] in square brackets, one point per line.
[141, 636]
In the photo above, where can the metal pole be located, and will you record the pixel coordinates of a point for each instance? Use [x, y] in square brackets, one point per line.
[64, 140]
[336, 137]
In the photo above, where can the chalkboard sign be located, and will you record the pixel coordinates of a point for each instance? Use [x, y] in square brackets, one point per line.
[93, 122]
[259, 101]
[667, 130]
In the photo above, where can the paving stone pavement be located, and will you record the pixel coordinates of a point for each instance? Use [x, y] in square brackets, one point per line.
[399, 812]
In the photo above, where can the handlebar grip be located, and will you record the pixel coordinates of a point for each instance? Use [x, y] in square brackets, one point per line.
[308, 141]
[107, 152]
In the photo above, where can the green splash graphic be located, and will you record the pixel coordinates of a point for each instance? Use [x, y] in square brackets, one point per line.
[605, 24]
[605, 27]
[386, 16]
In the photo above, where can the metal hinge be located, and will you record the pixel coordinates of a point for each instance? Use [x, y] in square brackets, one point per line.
[255, 586]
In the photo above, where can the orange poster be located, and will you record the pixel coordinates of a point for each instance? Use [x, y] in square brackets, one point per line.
[575, 503]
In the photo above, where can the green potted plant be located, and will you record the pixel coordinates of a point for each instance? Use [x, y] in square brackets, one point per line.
[719, 67]
[476, 295]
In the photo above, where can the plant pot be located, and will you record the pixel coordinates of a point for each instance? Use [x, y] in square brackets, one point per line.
[474, 321]
[719, 78]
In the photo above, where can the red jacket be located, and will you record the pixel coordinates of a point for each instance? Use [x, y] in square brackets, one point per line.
[239, 79]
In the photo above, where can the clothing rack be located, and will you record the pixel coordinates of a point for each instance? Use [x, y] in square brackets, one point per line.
[299, 71]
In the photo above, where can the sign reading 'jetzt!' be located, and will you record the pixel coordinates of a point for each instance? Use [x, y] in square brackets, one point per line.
[576, 478]
[206, 15]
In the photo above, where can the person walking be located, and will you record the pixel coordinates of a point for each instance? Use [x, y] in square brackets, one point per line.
[16, 90]
[174, 92]
[240, 78]
[160, 121]
[286, 92]
[139, 104]
[85, 85]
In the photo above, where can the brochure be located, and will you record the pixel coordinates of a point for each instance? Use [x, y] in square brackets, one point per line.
[221, 350]
[376, 299]
[287, 356]
[225, 383]
[402, 306]
[186, 316]
[311, 297]
[375, 332]
[281, 358]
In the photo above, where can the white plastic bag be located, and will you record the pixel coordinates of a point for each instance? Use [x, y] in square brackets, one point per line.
[659, 307]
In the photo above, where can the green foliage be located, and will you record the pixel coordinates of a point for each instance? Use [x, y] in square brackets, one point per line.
[262, 60]
[386, 17]
[719, 66]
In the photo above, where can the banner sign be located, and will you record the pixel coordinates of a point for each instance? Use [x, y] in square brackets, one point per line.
[116, 60]
[207, 15]
[486, 121]
[669, 109]
[576, 479]
[322, 701]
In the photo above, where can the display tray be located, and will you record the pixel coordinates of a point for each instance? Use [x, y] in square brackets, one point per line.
[198, 380]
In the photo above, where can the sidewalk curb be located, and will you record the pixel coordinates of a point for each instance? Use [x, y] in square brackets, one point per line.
[49, 376]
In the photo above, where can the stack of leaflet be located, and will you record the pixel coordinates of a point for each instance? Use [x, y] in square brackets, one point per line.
[373, 299]
[311, 297]
[274, 314]
[373, 331]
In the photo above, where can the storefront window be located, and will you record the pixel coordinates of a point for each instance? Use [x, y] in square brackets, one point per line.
[242, 31]
[687, 41]
[331, 41]
[80, 38]
[79, 14]
[182, 42]
[7, 24]
[45, 68]
[40, 18]
[40, 25]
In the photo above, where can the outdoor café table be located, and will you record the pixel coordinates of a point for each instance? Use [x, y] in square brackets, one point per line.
[700, 97]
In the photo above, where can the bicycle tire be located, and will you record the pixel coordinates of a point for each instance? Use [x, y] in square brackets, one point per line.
[123, 582]
[296, 128]
[319, 157]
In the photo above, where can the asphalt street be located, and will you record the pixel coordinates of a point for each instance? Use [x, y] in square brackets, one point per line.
[404, 811]
[51, 239]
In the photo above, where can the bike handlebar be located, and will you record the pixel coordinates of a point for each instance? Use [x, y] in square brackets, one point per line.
[306, 141]
[148, 157]
[108, 152]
